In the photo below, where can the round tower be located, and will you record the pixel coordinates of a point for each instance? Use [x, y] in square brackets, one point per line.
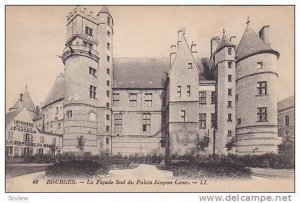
[256, 105]
[81, 101]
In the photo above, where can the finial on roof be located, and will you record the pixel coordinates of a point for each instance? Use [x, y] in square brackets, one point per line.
[248, 21]
[223, 32]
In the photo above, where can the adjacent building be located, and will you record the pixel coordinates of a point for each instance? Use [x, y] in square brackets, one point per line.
[286, 119]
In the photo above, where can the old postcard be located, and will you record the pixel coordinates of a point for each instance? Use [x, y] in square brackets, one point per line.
[149, 99]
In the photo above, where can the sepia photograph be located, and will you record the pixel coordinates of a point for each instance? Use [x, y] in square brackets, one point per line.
[174, 98]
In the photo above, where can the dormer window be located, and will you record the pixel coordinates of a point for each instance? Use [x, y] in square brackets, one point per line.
[190, 65]
[88, 31]
[229, 51]
[259, 65]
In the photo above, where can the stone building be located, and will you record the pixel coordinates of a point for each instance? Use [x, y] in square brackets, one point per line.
[175, 106]
[286, 119]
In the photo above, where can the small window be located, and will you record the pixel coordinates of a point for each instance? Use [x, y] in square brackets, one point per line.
[188, 90]
[229, 92]
[108, 83]
[229, 51]
[202, 120]
[229, 117]
[56, 110]
[229, 64]
[133, 99]
[229, 78]
[239, 121]
[108, 58]
[88, 31]
[107, 128]
[108, 71]
[182, 115]
[108, 46]
[69, 114]
[261, 114]
[107, 141]
[107, 105]
[108, 20]
[108, 33]
[190, 65]
[229, 103]
[286, 120]
[259, 65]
[202, 97]
[107, 93]
[229, 133]
[179, 91]
[92, 71]
[87, 44]
[107, 117]
[236, 97]
[93, 91]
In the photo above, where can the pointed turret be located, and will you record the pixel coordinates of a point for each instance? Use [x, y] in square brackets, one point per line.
[225, 42]
[24, 100]
[105, 10]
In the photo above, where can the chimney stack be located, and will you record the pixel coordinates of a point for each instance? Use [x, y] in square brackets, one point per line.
[264, 34]
[21, 97]
[180, 35]
[214, 42]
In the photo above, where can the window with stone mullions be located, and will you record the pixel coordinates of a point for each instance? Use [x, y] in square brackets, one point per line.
[132, 99]
[118, 122]
[116, 98]
[93, 91]
[88, 31]
[202, 97]
[202, 120]
[92, 71]
[262, 88]
[148, 99]
[146, 122]
[262, 114]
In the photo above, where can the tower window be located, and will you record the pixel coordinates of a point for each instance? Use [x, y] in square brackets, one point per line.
[261, 114]
[107, 117]
[259, 65]
[148, 99]
[146, 122]
[108, 83]
[132, 99]
[118, 122]
[239, 121]
[262, 88]
[202, 120]
[202, 97]
[92, 71]
[108, 58]
[213, 97]
[286, 120]
[108, 71]
[107, 128]
[179, 91]
[107, 141]
[182, 115]
[229, 64]
[88, 31]
[229, 78]
[229, 103]
[229, 133]
[213, 120]
[108, 20]
[56, 110]
[69, 114]
[107, 93]
[188, 90]
[93, 91]
[108, 45]
[229, 51]
[116, 97]
[236, 97]
[229, 92]
[190, 65]
[108, 33]
[229, 117]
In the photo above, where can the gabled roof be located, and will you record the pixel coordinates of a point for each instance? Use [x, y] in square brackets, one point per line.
[286, 103]
[225, 42]
[9, 116]
[252, 44]
[57, 91]
[140, 72]
[25, 102]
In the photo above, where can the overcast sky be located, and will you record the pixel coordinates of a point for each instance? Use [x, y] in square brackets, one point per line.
[36, 35]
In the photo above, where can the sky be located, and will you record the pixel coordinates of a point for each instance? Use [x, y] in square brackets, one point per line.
[35, 35]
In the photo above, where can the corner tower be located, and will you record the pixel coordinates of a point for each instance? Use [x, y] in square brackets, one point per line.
[224, 62]
[82, 84]
[256, 107]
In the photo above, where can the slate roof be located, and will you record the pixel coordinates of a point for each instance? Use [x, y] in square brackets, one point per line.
[26, 102]
[224, 42]
[286, 103]
[57, 91]
[9, 116]
[251, 44]
[140, 72]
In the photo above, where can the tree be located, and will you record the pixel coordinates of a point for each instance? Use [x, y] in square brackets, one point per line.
[203, 143]
[80, 144]
[230, 145]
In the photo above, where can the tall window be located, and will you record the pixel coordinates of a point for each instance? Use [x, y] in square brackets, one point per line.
[69, 114]
[107, 141]
[229, 92]
[286, 120]
[92, 71]
[132, 99]
[188, 90]
[146, 122]
[260, 65]
[108, 83]
[93, 91]
[213, 120]
[88, 31]
[56, 110]
[229, 51]
[116, 98]
[182, 115]
[229, 103]
[261, 87]
[179, 91]
[107, 93]
[202, 120]
[108, 58]
[229, 117]
[107, 128]
[213, 97]
[229, 64]
[108, 45]
[118, 122]
[148, 99]
[108, 71]
[262, 114]
[202, 97]
[229, 78]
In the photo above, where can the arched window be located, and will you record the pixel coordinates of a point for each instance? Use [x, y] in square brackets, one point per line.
[287, 120]
[92, 116]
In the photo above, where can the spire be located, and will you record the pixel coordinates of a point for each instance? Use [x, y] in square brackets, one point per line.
[24, 100]
[105, 10]
[224, 42]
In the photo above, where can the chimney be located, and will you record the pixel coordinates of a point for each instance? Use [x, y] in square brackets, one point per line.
[264, 34]
[214, 42]
[21, 97]
[180, 35]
